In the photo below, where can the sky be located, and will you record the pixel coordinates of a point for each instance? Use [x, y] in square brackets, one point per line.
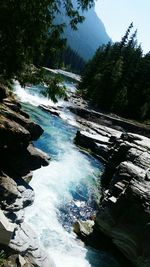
[118, 14]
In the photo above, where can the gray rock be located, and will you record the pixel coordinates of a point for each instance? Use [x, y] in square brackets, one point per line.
[83, 227]
[97, 143]
[26, 243]
[111, 121]
[16, 117]
[52, 110]
[12, 134]
[19, 162]
[19, 158]
[124, 210]
[15, 195]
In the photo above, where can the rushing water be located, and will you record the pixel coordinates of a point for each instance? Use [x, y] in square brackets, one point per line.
[65, 191]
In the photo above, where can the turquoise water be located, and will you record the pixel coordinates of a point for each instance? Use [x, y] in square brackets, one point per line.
[65, 191]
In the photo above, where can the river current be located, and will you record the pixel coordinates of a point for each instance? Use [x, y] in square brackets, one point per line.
[66, 190]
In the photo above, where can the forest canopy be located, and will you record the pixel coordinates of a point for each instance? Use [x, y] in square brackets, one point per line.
[27, 28]
[117, 78]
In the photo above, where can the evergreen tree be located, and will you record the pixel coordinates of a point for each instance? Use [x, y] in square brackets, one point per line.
[71, 60]
[117, 78]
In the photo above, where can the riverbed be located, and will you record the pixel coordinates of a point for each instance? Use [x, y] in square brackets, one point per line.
[66, 190]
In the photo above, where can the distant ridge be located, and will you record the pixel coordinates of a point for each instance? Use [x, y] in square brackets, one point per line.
[89, 36]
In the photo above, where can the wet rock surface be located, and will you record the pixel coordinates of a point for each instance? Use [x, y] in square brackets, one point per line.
[53, 110]
[18, 159]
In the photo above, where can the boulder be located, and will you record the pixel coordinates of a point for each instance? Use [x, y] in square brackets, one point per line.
[26, 243]
[84, 228]
[6, 229]
[98, 144]
[21, 119]
[17, 260]
[20, 162]
[14, 195]
[12, 134]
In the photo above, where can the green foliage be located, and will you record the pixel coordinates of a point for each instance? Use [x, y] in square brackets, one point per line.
[27, 30]
[54, 88]
[52, 85]
[117, 78]
[66, 59]
[71, 61]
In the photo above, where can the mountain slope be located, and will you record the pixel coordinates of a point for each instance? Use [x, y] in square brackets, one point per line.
[89, 36]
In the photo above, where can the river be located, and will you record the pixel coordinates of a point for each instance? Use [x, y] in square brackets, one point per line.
[66, 190]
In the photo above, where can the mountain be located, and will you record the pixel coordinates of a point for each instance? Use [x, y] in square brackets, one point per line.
[89, 36]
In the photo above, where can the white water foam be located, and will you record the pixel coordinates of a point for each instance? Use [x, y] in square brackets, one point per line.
[51, 185]
[27, 95]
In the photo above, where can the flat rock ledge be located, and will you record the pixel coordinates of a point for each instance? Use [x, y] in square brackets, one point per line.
[112, 121]
[96, 138]
[18, 159]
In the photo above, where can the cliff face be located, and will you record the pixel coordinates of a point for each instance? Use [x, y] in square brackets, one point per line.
[18, 159]
[124, 211]
[124, 208]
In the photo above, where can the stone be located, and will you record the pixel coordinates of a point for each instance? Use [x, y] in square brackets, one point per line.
[113, 122]
[14, 195]
[6, 229]
[25, 242]
[19, 158]
[53, 110]
[19, 162]
[124, 209]
[12, 134]
[147, 175]
[83, 227]
[16, 260]
[97, 143]
[18, 117]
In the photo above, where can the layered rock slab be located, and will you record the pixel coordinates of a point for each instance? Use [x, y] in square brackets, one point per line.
[124, 210]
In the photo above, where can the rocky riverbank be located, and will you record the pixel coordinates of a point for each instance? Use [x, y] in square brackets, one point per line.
[124, 209]
[18, 159]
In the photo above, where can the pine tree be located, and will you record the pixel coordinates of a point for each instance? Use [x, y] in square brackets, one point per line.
[117, 78]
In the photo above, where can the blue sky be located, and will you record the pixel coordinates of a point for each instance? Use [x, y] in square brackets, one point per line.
[118, 14]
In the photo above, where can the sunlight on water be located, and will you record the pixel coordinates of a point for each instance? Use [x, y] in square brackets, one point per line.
[52, 189]
[34, 96]
[65, 191]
